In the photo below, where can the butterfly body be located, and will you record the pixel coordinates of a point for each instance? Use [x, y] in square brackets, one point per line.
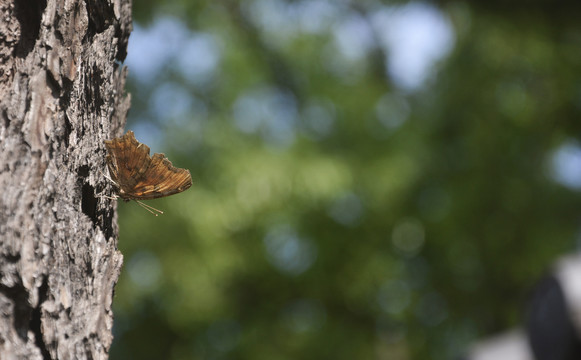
[139, 176]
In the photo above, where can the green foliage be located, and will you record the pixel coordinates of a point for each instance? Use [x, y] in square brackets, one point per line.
[353, 220]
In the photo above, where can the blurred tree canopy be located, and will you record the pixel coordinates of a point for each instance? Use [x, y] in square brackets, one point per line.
[355, 197]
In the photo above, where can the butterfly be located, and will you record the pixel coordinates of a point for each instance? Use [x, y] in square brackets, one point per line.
[138, 176]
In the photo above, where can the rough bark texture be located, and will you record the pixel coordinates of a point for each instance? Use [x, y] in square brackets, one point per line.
[61, 95]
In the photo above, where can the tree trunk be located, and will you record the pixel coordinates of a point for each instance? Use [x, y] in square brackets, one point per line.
[61, 95]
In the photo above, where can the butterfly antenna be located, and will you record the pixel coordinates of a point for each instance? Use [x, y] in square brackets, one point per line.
[149, 208]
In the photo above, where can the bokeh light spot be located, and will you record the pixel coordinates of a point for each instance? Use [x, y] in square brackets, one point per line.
[408, 237]
[394, 297]
[144, 270]
[287, 251]
[347, 209]
[566, 165]
[304, 315]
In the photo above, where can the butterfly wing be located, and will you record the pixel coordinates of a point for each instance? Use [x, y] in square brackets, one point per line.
[140, 176]
[162, 179]
[128, 160]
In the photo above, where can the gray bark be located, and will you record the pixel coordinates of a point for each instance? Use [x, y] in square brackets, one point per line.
[61, 95]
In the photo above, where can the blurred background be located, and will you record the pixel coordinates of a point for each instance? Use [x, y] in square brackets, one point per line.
[372, 180]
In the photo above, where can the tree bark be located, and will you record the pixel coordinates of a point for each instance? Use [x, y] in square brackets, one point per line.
[61, 95]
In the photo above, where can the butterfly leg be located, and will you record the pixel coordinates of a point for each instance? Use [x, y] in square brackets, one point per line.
[109, 178]
[115, 197]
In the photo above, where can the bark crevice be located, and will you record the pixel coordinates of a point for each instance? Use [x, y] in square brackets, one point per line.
[36, 320]
[29, 15]
[20, 306]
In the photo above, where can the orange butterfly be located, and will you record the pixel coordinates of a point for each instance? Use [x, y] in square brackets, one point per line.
[139, 176]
